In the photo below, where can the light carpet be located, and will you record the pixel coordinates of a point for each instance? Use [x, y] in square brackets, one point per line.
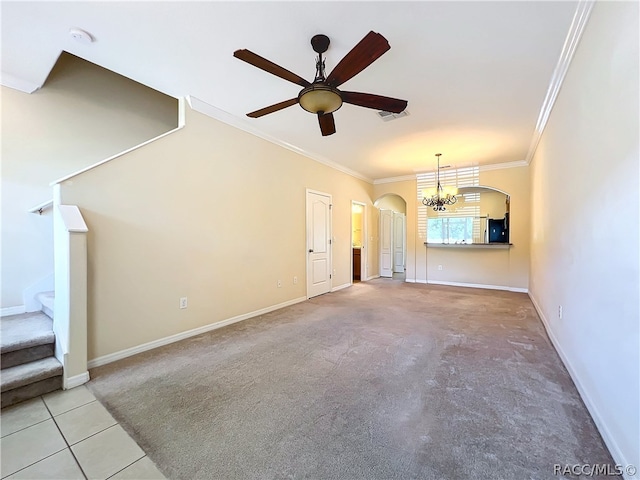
[383, 380]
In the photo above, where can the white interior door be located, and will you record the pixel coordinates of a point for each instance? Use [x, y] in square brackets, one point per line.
[398, 241]
[318, 243]
[386, 243]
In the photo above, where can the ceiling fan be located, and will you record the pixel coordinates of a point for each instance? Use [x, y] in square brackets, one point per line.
[322, 96]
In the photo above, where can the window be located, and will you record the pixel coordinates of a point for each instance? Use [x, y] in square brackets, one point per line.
[450, 230]
[434, 226]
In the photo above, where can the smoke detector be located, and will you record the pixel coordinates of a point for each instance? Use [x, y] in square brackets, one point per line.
[80, 36]
[388, 116]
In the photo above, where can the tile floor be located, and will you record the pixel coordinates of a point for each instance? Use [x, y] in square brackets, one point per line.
[68, 435]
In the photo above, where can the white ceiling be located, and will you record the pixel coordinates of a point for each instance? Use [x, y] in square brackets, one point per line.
[475, 73]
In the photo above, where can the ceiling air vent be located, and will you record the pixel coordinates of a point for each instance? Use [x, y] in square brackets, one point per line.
[388, 116]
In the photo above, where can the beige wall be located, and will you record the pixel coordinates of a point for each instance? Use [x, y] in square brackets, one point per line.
[508, 268]
[493, 204]
[585, 215]
[210, 213]
[515, 182]
[392, 202]
[82, 115]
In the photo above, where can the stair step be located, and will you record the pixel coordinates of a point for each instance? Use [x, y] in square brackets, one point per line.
[30, 380]
[33, 390]
[26, 355]
[25, 331]
[28, 373]
[47, 299]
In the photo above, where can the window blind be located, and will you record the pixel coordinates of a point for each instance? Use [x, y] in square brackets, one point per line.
[459, 177]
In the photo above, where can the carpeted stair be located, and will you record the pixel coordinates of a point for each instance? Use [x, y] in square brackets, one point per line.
[29, 368]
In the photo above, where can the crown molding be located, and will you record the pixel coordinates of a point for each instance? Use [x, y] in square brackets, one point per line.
[230, 119]
[403, 178]
[500, 166]
[580, 18]
[482, 168]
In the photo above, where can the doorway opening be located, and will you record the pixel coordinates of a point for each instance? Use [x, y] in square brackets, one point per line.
[393, 233]
[358, 241]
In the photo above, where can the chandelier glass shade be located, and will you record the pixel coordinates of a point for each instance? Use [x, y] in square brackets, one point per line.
[438, 197]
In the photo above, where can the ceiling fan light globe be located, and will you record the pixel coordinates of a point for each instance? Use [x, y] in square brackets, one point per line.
[318, 98]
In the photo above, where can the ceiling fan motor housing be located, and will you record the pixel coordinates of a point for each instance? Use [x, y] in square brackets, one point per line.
[320, 43]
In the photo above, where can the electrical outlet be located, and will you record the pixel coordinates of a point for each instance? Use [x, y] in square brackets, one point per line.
[560, 312]
[439, 267]
[295, 280]
[183, 302]
[279, 283]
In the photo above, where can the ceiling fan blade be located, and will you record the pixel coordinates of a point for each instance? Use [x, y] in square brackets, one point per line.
[272, 108]
[327, 124]
[370, 48]
[378, 102]
[268, 66]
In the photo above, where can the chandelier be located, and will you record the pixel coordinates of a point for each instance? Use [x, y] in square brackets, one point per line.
[439, 196]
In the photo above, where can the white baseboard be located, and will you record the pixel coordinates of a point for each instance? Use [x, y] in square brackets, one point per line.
[76, 380]
[112, 357]
[372, 277]
[518, 290]
[469, 285]
[340, 287]
[17, 310]
[611, 443]
[478, 285]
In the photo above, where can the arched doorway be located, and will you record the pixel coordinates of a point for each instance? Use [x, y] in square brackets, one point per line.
[392, 235]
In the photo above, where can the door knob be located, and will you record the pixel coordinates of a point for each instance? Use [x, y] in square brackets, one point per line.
[311, 250]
